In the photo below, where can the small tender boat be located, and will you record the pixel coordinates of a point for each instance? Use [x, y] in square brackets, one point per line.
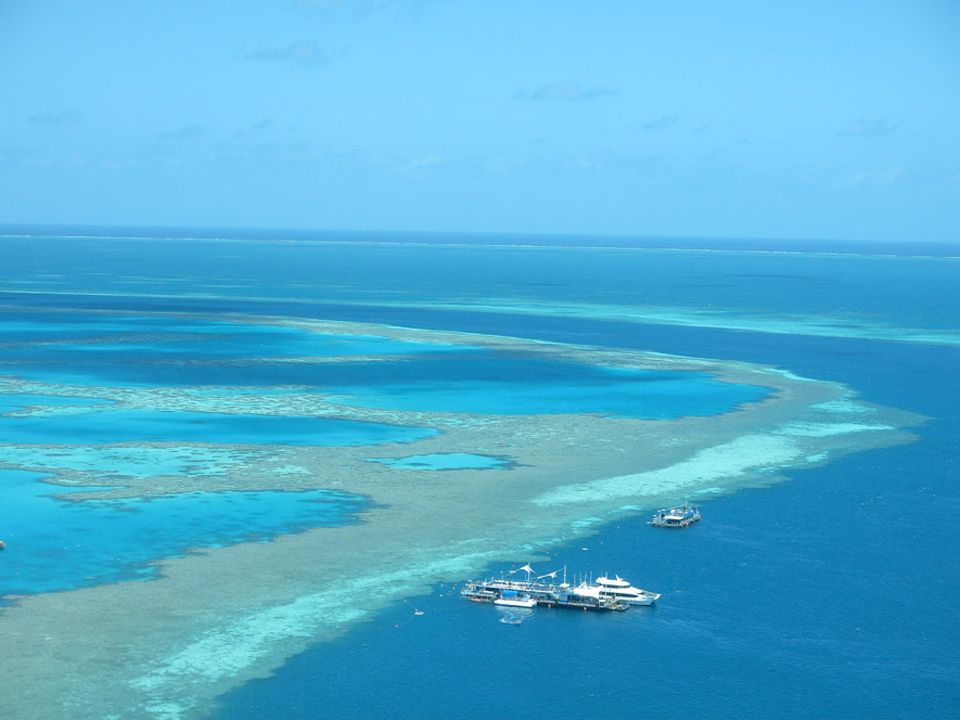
[676, 517]
[510, 598]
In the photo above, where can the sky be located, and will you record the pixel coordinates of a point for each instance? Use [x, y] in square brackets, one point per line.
[743, 118]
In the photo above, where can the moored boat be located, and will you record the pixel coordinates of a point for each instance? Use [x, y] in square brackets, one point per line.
[511, 598]
[676, 517]
[616, 588]
[611, 594]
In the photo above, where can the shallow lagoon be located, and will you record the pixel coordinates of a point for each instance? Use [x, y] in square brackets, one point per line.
[63, 332]
[117, 426]
[149, 350]
[56, 544]
[499, 384]
[393, 374]
[446, 461]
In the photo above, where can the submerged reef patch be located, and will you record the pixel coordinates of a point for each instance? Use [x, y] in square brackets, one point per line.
[447, 461]
[862, 326]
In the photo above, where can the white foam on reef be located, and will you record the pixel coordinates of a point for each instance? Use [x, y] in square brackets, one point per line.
[845, 326]
[226, 651]
[586, 523]
[789, 375]
[720, 465]
[841, 406]
[748, 453]
[819, 430]
[290, 470]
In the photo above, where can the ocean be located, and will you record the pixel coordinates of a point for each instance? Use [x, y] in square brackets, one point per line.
[828, 595]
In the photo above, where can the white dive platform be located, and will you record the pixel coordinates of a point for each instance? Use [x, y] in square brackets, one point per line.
[676, 517]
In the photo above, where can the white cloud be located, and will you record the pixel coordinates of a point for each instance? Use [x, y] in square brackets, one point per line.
[55, 118]
[866, 128]
[565, 91]
[883, 176]
[299, 54]
[660, 123]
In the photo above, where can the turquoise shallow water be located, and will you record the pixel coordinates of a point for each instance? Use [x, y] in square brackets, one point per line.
[54, 544]
[446, 461]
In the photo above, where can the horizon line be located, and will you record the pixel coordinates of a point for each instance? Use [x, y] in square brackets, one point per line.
[204, 232]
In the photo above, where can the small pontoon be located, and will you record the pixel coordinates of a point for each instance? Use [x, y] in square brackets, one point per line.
[676, 517]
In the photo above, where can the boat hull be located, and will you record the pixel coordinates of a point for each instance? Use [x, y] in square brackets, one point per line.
[510, 602]
[644, 601]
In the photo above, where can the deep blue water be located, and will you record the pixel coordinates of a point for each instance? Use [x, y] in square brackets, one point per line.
[70, 336]
[295, 274]
[54, 544]
[115, 426]
[498, 384]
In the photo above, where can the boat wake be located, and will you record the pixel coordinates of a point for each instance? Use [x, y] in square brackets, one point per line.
[514, 616]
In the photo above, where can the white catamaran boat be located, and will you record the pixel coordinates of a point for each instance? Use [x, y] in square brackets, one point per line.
[616, 588]
[511, 598]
